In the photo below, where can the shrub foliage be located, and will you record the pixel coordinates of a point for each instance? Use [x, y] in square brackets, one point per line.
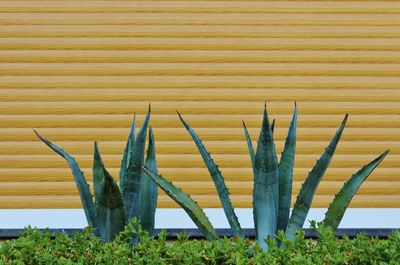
[34, 247]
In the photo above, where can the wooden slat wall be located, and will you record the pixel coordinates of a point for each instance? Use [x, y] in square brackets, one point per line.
[78, 70]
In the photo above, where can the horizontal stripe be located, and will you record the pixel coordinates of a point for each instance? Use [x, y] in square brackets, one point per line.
[195, 188]
[196, 107]
[199, 6]
[177, 218]
[200, 56]
[298, 19]
[186, 174]
[114, 43]
[199, 31]
[329, 85]
[188, 147]
[209, 201]
[211, 134]
[190, 94]
[189, 160]
[198, 120]
[194, 69]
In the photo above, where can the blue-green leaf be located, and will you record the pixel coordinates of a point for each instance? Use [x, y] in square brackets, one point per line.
[127, 154]
[265, 193]
[187, 203]
[80, 181]
[342, 199]
[286, 166]
[218, 180]
[273, 126]
[132, 181]
[306, 194]
[149, 191]
[249, 145]
[109, 206]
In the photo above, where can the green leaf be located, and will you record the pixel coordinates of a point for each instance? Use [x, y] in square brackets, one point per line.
[286, 166]
[265, 193]
[187, 203]
[127, 154]
[80, 181]
[132, 181]
[342, 199]
[149, 192]
[249, 145]
[110, 207]
[218, 180]
[273, 126]
[306, 194]
[98, 172]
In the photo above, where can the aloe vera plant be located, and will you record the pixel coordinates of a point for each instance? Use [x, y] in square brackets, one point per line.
[272, 191]
[136, 196]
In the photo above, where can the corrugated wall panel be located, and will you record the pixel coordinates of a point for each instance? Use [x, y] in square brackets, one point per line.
[78, 70]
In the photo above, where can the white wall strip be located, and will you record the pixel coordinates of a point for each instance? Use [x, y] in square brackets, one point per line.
[177, 218]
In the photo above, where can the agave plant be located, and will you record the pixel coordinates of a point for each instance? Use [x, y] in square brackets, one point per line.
[272, 185]
[135, 197]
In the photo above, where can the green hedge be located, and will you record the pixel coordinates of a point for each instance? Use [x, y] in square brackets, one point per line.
[34, 247]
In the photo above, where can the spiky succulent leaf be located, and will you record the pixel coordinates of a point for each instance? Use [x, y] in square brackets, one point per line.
[149, 190]
[187, 203]
[109, 205]
[249, 144]
[131, 188]
[265, 193]
[342, 199]
[273, 126]
[306, 194]
[218, 180]
[98, 172]
[127, 154]
[286, 166]
[80, 181]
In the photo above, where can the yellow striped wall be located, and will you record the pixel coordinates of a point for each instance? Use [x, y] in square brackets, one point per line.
[77, 71]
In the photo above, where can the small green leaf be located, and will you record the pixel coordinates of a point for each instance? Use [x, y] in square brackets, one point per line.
[80, 181]
[286, 166]
[218, 180]
[110, 207]
[127, 154]
[342, 199]
[306, 194]
[265, 193]
[187, 203]
[149, 191]
[132, 181]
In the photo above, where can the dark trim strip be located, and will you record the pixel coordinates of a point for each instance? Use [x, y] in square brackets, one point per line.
[195, 233]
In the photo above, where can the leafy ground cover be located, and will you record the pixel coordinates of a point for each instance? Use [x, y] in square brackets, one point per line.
[34, 247]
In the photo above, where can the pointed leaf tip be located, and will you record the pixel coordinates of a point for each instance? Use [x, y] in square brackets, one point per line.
[184, 122]
[295, 104]
[273, 125]
[80, 181]
[345, 118]
[244, 124]
[149, 107]
[337, 208]
[218, 180]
